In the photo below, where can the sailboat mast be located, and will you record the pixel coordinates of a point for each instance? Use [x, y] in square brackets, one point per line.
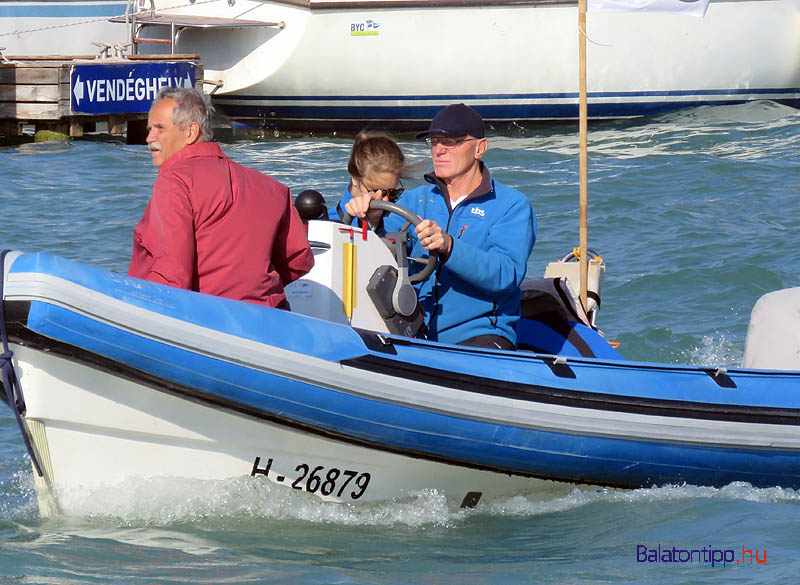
[583, 127]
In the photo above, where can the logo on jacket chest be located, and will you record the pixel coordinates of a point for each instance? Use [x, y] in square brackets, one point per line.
[478, 211]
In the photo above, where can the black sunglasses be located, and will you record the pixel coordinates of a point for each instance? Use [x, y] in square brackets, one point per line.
[392, 194]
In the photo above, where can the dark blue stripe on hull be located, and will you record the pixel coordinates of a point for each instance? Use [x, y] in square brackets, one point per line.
[497, 113]
[419, 433]
[562, 106]
[501, 97]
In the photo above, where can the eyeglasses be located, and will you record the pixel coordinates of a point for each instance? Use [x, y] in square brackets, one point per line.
[448, 143]
[392, 194]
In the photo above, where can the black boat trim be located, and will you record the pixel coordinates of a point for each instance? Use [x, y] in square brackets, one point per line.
[576, 398]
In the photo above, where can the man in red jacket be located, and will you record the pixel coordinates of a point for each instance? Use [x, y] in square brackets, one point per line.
[213, 225]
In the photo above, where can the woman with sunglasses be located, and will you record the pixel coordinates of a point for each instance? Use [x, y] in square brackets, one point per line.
[481, 230]
[376, 166]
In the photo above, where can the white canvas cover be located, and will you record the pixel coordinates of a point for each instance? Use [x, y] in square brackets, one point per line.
[696, 8]
[773, 336]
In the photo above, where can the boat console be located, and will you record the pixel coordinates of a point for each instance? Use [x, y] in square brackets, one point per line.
[355, 281]
[362, 280]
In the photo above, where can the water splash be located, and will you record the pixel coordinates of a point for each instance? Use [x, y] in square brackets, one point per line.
[583, 496]
[714, 350]
[165, 502]
[169, 501]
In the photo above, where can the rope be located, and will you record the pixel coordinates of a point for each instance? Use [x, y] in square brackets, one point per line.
[33, 30]
[583, 32]
[104, 18]
[9, 375]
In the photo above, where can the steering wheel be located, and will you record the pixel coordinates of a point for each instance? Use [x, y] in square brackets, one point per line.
[411, 219]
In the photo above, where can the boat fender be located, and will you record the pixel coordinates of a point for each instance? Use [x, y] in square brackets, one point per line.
[310, 204]
[773, 335]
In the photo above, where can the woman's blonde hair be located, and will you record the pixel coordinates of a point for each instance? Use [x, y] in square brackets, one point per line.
[376, 153]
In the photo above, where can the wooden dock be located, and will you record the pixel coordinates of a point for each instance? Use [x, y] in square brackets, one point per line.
[38, 91]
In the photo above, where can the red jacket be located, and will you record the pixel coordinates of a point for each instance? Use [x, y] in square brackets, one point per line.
[217, 227]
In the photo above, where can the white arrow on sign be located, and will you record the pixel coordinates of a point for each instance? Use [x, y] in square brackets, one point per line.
[78, 90]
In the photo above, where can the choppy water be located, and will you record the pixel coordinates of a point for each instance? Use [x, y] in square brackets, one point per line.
[696, 215]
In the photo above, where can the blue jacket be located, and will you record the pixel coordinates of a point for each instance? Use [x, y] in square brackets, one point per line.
[334, 212]
[477, 290]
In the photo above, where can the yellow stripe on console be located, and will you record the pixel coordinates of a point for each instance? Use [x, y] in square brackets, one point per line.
[349, 273]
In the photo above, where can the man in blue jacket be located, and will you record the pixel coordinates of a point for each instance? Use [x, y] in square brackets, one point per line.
[482, 231]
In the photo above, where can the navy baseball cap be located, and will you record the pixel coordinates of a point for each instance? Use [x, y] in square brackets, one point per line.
[454, 121]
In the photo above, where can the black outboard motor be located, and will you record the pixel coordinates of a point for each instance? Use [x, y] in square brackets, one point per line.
[310, 204]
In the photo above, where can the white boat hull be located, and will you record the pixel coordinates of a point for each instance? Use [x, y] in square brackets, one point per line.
[92, 429]
[122, 379]
[512, 62]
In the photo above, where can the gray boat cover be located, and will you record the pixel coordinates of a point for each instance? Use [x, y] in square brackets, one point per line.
[548, 298]
[773, 336]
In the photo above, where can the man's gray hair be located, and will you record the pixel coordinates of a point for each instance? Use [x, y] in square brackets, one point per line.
[193, 106]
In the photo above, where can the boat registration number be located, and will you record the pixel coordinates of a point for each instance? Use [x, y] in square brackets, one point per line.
[331, 481]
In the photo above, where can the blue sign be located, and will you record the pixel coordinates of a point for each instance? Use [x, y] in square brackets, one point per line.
[124, 88]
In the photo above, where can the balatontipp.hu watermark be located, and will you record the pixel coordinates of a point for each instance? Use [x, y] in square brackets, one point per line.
[704, 556]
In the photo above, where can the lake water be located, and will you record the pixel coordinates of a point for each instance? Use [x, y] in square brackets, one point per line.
[696, 215]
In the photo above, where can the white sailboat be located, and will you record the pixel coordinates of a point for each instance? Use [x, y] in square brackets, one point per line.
[321, 62]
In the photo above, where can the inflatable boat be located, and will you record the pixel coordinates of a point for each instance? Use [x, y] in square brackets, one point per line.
[112, 378]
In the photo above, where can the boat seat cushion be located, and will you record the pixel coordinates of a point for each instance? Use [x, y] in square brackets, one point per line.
[564, 338]
[553, 322]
